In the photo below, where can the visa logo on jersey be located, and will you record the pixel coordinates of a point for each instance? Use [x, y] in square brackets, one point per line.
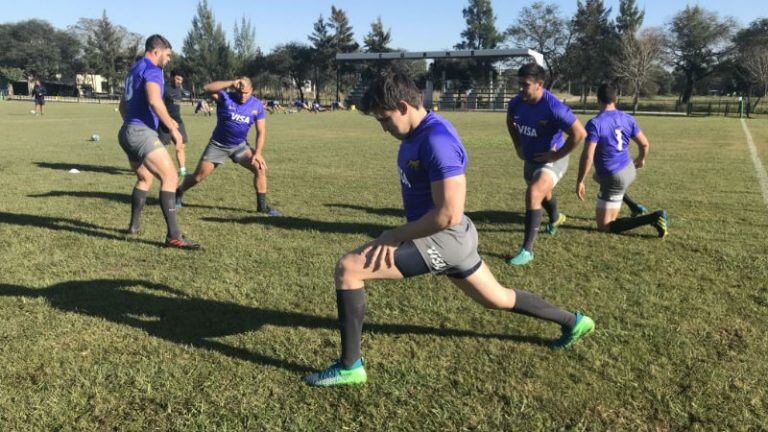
[527, 131]
[240, 118]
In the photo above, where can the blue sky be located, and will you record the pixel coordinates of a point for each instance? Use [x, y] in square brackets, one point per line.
[416, 24]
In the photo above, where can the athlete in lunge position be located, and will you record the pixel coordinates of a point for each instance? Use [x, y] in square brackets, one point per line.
[437, 237]
[608, 136]
[236, 111]
[536, 120]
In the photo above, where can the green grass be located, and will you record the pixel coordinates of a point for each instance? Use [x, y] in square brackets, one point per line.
[103, 332]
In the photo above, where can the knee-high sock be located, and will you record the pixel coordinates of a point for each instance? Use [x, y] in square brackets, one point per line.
[532, 305]
[261, 202]
[168, 204]
[633, 206]
[532, 224]
[550, 205]
[628, 223]
[351, 308]
[138, 199]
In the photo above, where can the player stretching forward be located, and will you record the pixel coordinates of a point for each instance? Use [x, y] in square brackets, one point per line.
[437, 237]
[536, 120]
[236, 112]
[608, 136]
[141, 106]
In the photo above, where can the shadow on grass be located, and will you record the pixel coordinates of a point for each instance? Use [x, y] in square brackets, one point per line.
[304, 224]
[67, 224]
[483, 216]
[125, 199]
[169, 314]
[105, 169]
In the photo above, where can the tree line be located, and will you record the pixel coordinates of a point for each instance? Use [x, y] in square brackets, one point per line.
[697, 51]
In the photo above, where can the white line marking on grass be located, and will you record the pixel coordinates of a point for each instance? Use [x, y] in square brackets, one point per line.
[762, 177]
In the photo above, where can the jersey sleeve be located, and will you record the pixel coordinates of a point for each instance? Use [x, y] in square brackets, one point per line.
[512, 106]
[634, 128]
[443, 156]
[592, 134]
[563, 116]
[261, 114]
[223, 97]
[154, 75]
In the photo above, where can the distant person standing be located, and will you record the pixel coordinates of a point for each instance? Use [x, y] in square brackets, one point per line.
[38, 93]
[141, 106]
[172, 95]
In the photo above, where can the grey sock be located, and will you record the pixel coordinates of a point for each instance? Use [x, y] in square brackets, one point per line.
[532, 305]
[628, 223]
[633, 206]
[138, 199]
[261, 202]
[550, 205]
[168, 204]
[532, 224]
[351, 308]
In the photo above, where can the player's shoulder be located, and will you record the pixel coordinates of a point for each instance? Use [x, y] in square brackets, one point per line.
[553, 102]
[514, 102]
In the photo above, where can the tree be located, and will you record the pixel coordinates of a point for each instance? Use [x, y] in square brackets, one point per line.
[541, 28]
[322, 53]
[595, 43]
[639, 59]
[207, 54]
[699, 42]
[377, 40]
[749, 62]
[244, 44]
[293, 61]
[480, 32]
[39, 49]
[343, 41]
[630, 18]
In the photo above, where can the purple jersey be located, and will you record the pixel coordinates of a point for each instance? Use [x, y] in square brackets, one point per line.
[611, 130]
[234, 118]
[432, 152]
[137, 110]
[540, 125]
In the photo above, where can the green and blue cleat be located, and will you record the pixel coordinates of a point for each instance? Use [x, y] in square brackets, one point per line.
[584, 326]
[551, 228]
[338, 375]
[523, 257]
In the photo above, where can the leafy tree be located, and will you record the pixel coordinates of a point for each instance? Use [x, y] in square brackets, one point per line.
[207, 54]
[480, 33]
[639, 59]
[377, 40]
[699, 42]
[39, 49]
[630, 18]
[541, 27]
[322, 53]
[244, 44]
[293, 61]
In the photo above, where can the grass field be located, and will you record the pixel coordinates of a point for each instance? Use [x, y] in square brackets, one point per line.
[100, 331]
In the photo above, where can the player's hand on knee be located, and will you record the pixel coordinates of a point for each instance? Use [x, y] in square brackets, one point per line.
[258, 161]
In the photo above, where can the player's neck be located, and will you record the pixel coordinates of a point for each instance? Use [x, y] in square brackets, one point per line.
[536, 98]
[151, 58]
[417, 116]
[609, 107]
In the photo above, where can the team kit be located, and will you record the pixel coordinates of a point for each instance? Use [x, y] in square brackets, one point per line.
[437, 236]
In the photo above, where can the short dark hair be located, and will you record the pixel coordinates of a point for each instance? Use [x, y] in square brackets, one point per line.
[177, 72]
[389, 88]
[532, 70]
[607, 93]
[156, 42]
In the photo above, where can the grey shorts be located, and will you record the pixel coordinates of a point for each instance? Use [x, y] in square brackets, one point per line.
[218, 153]
[453, 251]
[165, 136]
[138, 141]
[614, 186]
[557, 169]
